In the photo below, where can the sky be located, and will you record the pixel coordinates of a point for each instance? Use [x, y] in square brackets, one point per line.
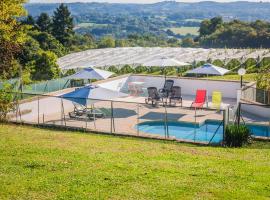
[128, 1]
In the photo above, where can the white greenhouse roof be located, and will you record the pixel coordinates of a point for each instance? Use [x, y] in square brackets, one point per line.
[138, 55]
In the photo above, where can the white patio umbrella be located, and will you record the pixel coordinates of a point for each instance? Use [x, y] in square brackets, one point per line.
[165, 62]
[208, 69]
[91, 73]
[90, 94]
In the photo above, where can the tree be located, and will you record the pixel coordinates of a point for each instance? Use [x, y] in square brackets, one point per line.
[49, 43]
[44, 23]
[46, 67]
[62, 26]
[12, 35]
[30, 21]
[107, 42]
[188, 42]
[6, 102]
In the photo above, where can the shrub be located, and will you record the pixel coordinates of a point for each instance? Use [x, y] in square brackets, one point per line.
[141, 69]
[6, 102]
[113, 69]
[236, 136]
[126, 70]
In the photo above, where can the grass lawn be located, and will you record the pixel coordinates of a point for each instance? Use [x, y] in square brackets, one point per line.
[45, 164]
[185, 30]
[247, 77]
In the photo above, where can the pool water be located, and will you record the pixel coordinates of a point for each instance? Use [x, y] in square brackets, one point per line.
[209, 131]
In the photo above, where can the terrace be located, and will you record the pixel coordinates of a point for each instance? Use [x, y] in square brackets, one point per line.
[130, 115]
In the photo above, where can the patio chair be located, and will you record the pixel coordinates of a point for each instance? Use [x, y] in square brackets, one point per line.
[216, 100]
[167, 88]
[199, 99]
[153, 96]
[175, 96]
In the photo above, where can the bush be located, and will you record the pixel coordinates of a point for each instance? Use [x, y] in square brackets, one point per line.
[126, 70]
[6, 102]
[113, 69]
[236, 136]
[141, 69]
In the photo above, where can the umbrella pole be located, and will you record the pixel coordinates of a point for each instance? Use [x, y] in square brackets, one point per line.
[207, 84]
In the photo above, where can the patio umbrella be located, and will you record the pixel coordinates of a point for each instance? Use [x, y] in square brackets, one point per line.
[208, 69]
[165, 62]
[91, 73]
[91, 94]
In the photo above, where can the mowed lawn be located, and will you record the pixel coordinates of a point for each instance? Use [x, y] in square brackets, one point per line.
[184, 30]
[46, 164]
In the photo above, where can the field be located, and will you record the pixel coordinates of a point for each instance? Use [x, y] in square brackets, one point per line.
[47, 164]
[185, 30]
[247, 77]
[88, 25]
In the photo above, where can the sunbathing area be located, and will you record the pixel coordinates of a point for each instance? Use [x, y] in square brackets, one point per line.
[182, 109]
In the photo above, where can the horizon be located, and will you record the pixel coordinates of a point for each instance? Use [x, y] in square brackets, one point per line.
[141, 1]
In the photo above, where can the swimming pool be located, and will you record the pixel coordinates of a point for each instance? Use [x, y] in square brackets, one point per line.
[209, 131]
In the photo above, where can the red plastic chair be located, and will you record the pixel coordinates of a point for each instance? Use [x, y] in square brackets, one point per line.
[199, 99]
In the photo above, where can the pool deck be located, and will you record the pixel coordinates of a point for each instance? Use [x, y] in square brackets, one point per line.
[128, 112]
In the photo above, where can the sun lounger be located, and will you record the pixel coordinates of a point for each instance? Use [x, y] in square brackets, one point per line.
[75, 116]
[199, 99]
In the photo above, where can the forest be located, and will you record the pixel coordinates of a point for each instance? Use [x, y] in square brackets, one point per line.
[121, 20]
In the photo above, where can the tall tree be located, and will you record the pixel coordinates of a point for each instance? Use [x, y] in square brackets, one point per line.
[12, 35]
[62, 26]
[44, 23]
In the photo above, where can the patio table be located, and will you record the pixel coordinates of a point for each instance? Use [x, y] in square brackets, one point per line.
[136, 88]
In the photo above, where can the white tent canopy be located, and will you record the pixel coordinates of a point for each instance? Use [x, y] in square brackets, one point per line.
[209, 69]
[165, 62]
[91, 73]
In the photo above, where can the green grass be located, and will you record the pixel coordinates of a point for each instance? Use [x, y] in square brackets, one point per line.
[185, 30]
[193, 20]
[88, 25]
[247, 77]
[45, 164]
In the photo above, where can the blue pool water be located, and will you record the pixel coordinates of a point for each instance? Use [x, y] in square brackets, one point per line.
[191, 132]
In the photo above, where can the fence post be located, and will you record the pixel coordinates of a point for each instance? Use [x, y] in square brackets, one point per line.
[138, 120]
[38, 110]
[112, 119]
[239, 114]
[63, 117]
[195, 124]
[224, 124]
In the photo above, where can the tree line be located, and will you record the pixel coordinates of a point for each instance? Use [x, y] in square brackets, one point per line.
[234, 34]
